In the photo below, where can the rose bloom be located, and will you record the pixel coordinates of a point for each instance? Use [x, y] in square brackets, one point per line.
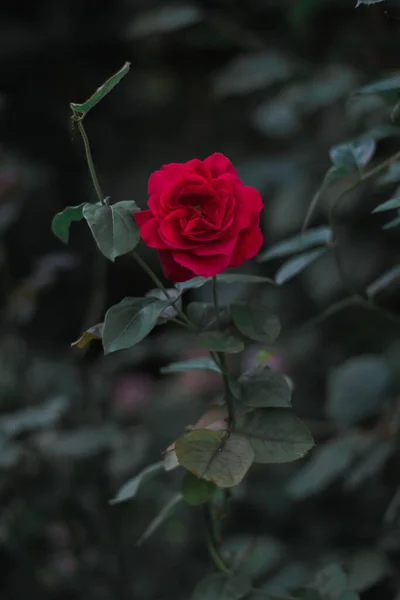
[200, 218]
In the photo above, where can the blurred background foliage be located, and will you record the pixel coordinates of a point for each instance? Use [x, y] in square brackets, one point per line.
[268, 83]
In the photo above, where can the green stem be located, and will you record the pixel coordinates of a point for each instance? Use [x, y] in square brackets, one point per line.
[216, 303]
[89, 158]
[214, 539]
[229, 399]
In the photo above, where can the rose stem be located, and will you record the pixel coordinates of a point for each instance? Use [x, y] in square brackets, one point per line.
[229, 399]
[89, 159]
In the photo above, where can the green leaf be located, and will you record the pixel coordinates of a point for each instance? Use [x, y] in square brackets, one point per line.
[243, 278]
[264, 387]
[360, 2]
[253, 555]
[348, 595]
[219, 341]
[196, 491]
[130, 321]
[371, 463]
[388, 205]
[357, 389]
[328, 462]
[353, 155]
[393, 223]
[296, 265]
[93, 333]
[366, 567]
[195, 364]
[216, 456]
[62, 221]
[203, 315]
[162, 516]
[383, 281]
[392, 174]
[252, 71]
[330, 582]
[255, 321]
[131, 487]
[298, 243]
[391, 84]
[164, 19]
[101, 92]
[275, 434]
[220, 587]
[197, 282]
[34, 417]
[113, 227]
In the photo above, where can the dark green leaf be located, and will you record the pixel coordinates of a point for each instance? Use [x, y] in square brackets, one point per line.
[357, 389]
[255, 321]
[298, 243]
[392, 84]
[394, 223]
[195, 490]
[172, 310]
[383, 281]
[128, 322]
[220, 587]
[34, 417]
[253, 71]
[353, 155]
[219, 341]
[113, 227]
[330, 582]
[392, 174]
[160, 518]
[348, 595]
[328, 462]
[242, 278]
[388, 205]
[93, 333]
[253, 555]
[164, 20]
[366, 567]
[102, 91]
[195, 364]
[216, 456]
[197, 282]
[360, 2]
[203, 315]
[371, 463]
[275, 434]
[296, 265]
[62, 221]
[131, 487]
[264, 387]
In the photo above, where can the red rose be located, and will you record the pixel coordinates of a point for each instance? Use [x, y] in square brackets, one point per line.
[201, 218]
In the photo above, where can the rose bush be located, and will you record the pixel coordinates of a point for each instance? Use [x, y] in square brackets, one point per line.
[200, 218]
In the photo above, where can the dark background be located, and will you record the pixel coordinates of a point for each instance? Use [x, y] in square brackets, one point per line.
[267, 83]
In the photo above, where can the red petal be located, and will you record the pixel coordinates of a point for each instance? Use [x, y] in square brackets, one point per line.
[149, 232]
[205, 266]
[171, 233]
[142, 217]
[249, 243]
[218, 165]
[171, 269]
[248, 204]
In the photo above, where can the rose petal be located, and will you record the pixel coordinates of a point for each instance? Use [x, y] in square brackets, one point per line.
[149, 232]
[200, 168]
[248, 203]
[222, 246]
[170, 231]
[249, 243]
[165, 178]
[219, 165]
[142, 217]
[173, 270]
[205, 266]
